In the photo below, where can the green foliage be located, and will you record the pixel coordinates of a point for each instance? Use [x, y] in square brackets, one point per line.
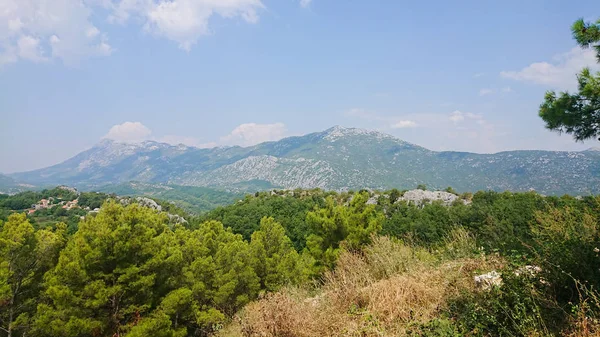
[449, 189]
[276, 261]
[126, 271]
[24, 200]
[587, 34]
[521, 306]
[24, 257]
[436, 328]
[20, 201]
[337, 224]
[577, 114]
[567, 242]
[192, 199]
[427, 224]
[290, 211]
[92, 199]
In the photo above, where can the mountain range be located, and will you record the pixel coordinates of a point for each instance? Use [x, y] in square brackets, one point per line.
[338, 158]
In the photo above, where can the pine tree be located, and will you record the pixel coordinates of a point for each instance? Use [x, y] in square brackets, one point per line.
[577, 114]
[25, 255]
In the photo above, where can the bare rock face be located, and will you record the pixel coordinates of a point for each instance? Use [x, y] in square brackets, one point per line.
[420, 196]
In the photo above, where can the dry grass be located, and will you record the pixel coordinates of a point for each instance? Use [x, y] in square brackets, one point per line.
[585, 322]
[381, 292]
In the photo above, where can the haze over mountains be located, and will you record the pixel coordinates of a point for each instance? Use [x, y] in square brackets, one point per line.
[337, 158]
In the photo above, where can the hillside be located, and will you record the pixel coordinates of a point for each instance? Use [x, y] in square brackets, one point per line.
[303, 263]
[9, 185]
[338, 158]
[192, 199]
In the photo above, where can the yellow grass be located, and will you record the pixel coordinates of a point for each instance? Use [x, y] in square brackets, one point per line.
[384, 291]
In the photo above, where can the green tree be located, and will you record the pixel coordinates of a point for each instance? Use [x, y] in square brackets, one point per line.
[276, 261]
[422, 187]
[24, 257]
[449, 189]
[336, 223]
[577, 114]
[108, 274]
[394, 195]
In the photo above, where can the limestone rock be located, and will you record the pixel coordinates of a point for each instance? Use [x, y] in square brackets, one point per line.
[488, 281]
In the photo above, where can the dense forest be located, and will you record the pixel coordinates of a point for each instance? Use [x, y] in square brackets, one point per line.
[276, 263]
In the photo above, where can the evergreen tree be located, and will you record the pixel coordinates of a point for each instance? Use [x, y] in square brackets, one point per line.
[24, 257]
[276, 261]
[106, 277]
[337, 224]
[577, 114]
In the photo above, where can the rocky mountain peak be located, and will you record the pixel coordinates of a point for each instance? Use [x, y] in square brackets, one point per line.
[337, 158]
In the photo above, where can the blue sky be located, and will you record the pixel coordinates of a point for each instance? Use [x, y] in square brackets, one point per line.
[447, 75]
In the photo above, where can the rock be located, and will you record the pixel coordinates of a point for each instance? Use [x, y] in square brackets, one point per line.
[528, 271]
[142, 201]
[372, 200]
[176, 219]
[420, 196]
[488, 281]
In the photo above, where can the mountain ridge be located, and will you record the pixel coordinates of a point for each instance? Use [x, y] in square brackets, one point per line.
[337, 158]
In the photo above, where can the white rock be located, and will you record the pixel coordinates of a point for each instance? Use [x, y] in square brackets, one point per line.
[488, 281]
[528, 271]
[419, 196]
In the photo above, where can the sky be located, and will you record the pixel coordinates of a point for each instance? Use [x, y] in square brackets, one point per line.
[446, 75]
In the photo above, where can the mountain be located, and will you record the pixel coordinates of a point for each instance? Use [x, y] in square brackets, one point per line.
[9, 185]
[337, 158]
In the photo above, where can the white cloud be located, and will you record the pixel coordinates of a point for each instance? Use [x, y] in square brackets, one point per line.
[251, 134]
[29, 49]
[183, 21]
[41, 30]
[37, 30]
[305, 3]
[244, 135]
[403, 124]
[456, 116]
[485, 91]
[561, 73]
[129, 132]
[459, 116]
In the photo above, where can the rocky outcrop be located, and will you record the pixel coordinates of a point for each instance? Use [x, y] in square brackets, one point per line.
[142, 201]
[420, 196]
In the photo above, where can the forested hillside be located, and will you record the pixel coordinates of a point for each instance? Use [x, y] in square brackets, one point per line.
[280, 263]
[193, 199]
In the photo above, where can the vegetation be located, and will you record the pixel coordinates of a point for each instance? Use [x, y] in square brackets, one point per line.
[193, 199]
[359, 263]
[304, 263]
[577, 114]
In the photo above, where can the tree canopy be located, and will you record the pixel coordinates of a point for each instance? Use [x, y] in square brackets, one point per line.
[577, 114]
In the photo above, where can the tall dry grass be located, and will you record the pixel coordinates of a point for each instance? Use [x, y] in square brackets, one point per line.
[386, 290]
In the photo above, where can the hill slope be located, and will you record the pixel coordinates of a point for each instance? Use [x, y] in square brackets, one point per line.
[338, 158]
[193, 199]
